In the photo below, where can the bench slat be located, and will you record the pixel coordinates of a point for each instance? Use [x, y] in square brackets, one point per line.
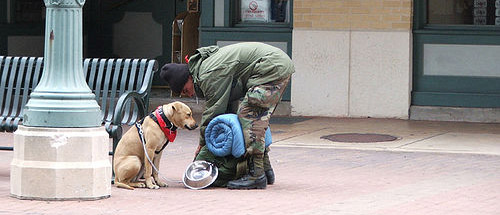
[3, 81]
[123, 85]
[148, 81]
[20, 78]
[86, 68]
[8, 95]
[98, 81]
[90, 79]
[105, 88]
[112, 95]
[26, 87]
[10, 86]
[38, 72]
[124, 78]
[140, 76]
[6, 63]
[14, 108]
[126, 117]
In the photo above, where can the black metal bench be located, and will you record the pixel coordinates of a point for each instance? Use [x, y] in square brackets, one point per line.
[121, 87]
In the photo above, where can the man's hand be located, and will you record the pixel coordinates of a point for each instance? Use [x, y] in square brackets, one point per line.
[197, 151]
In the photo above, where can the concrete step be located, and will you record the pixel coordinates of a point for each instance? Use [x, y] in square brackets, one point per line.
[455, 114]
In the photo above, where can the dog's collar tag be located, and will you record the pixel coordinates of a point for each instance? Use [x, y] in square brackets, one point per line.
[170, 133]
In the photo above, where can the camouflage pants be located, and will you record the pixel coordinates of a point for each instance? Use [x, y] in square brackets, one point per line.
[255, 111]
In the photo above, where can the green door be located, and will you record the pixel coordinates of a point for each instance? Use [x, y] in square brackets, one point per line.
[456, 53]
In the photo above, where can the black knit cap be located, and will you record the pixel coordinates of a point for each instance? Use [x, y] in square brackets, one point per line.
[176, 75]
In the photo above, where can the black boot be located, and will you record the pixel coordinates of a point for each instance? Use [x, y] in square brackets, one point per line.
[270, 176]
[255, 179]
[268, 169]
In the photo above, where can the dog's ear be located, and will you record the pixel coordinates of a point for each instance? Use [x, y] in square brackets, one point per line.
[168, 109]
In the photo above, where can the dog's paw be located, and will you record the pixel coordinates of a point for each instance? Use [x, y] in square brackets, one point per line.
[161, 184]
[154, 186]
[151, 183]
[141, 185]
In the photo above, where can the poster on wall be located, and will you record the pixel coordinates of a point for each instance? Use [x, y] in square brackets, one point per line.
[255, 10]
[497, 12]
[480, 8]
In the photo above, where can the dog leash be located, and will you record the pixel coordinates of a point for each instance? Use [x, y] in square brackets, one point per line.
[141, 135]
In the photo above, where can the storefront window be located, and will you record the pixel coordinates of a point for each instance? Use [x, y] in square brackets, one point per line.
[463, 12]
[263, 11]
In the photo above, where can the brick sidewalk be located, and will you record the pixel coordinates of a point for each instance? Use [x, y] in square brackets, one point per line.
[309, 181]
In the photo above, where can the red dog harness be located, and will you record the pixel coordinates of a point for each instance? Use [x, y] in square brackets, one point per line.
[166, 126]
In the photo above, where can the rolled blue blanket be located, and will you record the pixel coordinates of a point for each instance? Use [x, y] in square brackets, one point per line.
[224, 136]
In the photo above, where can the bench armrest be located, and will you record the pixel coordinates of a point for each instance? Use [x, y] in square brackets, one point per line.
[115, 129]
[140, 97]
[125, 98]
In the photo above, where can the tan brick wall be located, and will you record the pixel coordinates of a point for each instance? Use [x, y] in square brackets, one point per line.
[353, 14]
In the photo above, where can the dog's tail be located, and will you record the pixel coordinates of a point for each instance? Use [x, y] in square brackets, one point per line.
[122, 185]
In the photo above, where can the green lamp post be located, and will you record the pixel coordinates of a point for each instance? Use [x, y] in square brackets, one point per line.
[61, 150]
[62, 97]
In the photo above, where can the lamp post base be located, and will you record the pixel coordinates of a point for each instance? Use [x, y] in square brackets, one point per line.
[62, 110]
[60, 164]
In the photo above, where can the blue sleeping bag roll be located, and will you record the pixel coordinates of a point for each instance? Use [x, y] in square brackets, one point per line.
[224, 136]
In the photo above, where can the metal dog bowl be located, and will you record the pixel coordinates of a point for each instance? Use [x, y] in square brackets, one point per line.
[200, 174]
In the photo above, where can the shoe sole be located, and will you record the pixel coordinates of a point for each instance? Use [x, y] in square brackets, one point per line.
[247, 188]
[261, 185]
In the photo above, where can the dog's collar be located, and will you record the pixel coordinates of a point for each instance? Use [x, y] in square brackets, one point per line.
[168, 128]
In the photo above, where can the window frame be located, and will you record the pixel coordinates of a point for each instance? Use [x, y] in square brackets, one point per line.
[450, 91]
[234, 17]
[420, 22]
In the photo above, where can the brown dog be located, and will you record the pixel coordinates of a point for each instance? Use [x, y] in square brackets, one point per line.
[159, 128]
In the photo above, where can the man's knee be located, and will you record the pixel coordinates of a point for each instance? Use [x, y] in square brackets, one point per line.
[263, 97]
[255, 149]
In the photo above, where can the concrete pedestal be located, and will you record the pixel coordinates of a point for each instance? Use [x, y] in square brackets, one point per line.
[60, 164]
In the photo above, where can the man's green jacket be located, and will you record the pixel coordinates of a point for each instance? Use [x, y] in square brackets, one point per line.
[223, 75]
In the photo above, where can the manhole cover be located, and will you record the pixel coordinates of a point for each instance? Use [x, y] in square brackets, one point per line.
[359, 138]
